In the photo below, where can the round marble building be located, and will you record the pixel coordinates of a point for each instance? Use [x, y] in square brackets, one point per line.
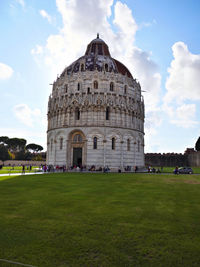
[96, 113]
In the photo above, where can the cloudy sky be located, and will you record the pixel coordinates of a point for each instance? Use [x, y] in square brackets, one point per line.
[158, 41]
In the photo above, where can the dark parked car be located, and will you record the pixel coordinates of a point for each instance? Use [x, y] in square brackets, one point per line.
[184, 170]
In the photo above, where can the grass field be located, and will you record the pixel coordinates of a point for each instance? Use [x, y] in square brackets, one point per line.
[86, 219]
[18, 169]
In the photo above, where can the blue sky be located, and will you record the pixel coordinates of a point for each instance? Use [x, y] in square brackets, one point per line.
[157, 40]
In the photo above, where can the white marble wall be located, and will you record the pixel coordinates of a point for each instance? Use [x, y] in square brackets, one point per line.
[126, 119]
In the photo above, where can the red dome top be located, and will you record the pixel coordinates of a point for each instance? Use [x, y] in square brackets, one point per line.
[97, 57]
[97, 47]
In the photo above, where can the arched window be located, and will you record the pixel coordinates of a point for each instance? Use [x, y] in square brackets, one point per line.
[66, 88]
[107, 113]
[113, 143]
[61, 143]
[95, 85]
[125, 89]
[95, 142]
[88, 90]
[128, 145]
[82, 67]
[106, 67]
[78, 86]
[77, 114]
[111, 86]
[77, 138]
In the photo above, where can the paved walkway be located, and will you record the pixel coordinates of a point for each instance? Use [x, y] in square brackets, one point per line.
[20, 173]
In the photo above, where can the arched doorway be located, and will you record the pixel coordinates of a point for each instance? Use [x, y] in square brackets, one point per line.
[77, 149]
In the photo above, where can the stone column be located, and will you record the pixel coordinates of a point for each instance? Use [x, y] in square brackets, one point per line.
[68, 159]
[55, 142]
[135, 144]
[104, 152]
[122, 155]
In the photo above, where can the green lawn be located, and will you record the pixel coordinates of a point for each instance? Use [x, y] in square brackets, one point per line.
[79, 219]
[18, 169]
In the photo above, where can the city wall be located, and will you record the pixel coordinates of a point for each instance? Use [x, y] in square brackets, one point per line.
[189, 158]
[194, 159]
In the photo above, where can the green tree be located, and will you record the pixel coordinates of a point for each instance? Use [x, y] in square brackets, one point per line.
[16, 144]
[4, 155]
[4, 140]
[34, 147]
[197, 145]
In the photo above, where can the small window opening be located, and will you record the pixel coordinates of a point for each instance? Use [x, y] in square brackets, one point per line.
[107, 113]
[82, 67]
[125, 89]
[106, 67]
[95, 143]
[133, 116]
[78, 87]
[113, 143]
[88, 90]
[111, 86]
[77, 114]
[128, 145]
[61, 143]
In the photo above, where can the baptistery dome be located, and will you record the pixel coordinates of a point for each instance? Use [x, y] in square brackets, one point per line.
[97, 57]
[96, 114]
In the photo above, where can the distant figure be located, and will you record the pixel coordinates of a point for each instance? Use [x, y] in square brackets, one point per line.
[176, 170]
[45, 168]
[136, 168]
[64, 168]
[23, 168]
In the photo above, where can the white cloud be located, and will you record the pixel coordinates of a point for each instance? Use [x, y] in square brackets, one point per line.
[37, 51]
[44, 14]
[147, 24]
[21, 2]
[125, 22]
[146, 71]
[185, 116]
[184, 75]
[5, 71]
[25, 115]
[182, 87]
[152, 122]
